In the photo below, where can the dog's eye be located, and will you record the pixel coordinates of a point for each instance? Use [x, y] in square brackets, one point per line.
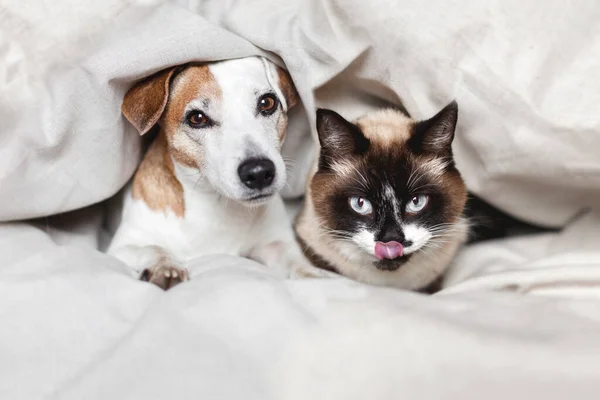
[197, 119]
[267, 104]
[417, 204]
[360, 205]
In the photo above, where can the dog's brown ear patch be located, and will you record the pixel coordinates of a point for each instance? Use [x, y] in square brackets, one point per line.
[287, 87]
[145, 102]
[155, 182]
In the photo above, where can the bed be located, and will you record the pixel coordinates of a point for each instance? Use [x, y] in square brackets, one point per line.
[519, 317]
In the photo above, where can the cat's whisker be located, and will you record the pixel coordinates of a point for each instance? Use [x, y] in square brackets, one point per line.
[415, 175]
[421, 187]
[339, 234]
[442, 236]
[444, 227]
[447, 231]
[363, 181]
[438, 242]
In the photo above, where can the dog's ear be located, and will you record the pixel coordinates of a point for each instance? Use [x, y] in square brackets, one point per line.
[287, 87]
[145, 102]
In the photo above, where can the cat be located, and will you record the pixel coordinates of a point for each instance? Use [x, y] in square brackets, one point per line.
[386, 203]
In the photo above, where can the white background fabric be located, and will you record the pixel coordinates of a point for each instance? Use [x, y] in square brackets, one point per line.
[519, 318]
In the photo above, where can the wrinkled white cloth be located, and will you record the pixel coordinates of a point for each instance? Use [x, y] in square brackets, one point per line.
[519, 317]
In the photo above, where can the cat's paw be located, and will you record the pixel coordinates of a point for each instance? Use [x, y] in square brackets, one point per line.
[165, 276]
[300, 270]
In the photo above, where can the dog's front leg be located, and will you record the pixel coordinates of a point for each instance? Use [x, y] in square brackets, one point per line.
[287, 258]
[153, 264]
[275, 246]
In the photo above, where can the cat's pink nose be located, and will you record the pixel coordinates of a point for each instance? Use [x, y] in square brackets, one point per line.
[389, 250]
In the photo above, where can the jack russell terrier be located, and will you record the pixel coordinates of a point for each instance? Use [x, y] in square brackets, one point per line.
[209, 182]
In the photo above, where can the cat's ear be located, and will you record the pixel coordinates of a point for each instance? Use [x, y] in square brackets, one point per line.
[436, 134]
[339, 138]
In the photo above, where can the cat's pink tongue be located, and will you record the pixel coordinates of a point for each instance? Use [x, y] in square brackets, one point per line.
[389, 250]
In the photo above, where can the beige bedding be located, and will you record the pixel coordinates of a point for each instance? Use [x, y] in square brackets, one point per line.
[520, 317]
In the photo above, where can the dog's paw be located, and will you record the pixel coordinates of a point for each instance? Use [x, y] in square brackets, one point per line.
[165, 276]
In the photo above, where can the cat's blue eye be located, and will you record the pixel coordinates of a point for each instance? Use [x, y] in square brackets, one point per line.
[361, 205]
[417, 204]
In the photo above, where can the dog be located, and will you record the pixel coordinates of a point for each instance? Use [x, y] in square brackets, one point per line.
[209, 182]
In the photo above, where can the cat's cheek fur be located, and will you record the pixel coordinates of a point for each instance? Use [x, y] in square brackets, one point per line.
[365, 240]
[418, 235]
[350, 252]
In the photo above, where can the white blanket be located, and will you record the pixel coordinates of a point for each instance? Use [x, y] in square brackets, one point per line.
[519, 317]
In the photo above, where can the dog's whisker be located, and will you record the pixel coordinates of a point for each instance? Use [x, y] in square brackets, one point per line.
[290, 162]
[194, 174]
[198, 181]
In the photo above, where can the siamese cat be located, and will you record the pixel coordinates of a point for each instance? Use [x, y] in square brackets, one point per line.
[386, 204]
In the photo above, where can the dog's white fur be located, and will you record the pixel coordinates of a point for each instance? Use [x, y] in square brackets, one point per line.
[219, 218]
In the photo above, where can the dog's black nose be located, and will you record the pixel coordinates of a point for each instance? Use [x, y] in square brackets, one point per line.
[257, 173]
